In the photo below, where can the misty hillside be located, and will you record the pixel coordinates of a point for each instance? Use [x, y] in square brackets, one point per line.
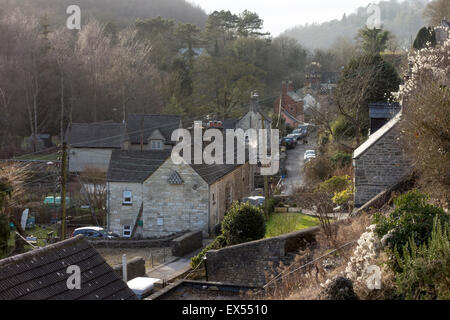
[121, 12]
[403, 19]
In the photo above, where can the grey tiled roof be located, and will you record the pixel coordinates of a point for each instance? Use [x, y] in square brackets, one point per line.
[135, 166]
[383, 110]
[148, 123]
[41, 274]
[377, 135]
[294, 96]
[97, 135]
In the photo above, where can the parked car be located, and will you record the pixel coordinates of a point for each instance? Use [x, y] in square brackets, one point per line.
[255, 200]
[309, 154]
[299, 134]
[289, 143]
[293, 136]
[94, 232]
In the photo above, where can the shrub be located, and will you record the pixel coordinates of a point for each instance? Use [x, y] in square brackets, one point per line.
[344, 197]
[4, 234]
[318, 169]
[218, 243]
[424, 271]
[343, 128]
[335, 184]
[412, 218]
[273, 202]
[242, 223]
[341, 159]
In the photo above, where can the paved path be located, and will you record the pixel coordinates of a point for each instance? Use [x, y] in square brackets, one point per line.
[175, 267]
[295, 163]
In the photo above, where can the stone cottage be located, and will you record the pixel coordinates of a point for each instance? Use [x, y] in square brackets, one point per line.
[91, 144]
[149, 195]
[379, 162]
[151, 131]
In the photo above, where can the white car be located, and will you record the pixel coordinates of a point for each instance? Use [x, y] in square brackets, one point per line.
[309, 154]
[255, 200]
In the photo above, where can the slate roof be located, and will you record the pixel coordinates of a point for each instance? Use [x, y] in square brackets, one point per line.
[229, 123]
[165, 123]
[41, 274]
[97, 135]
[135, 166]
[294, 96]
[383, 110]
[377, 135]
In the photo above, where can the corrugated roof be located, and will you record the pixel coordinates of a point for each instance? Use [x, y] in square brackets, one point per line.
[41, 274]
[148, 123]
[97, 135]
[135, 166]
[377, 135]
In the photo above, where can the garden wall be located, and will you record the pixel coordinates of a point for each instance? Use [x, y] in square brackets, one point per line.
[253, 263]
[187, 243]
[135, 268]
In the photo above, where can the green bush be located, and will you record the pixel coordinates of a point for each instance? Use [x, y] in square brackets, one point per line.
[335, 184]
[424, 271]
[343, 128]
[242, 223]
[272, 203]
[412, 217]
[341, 159]
[218, 243]
[318, 169]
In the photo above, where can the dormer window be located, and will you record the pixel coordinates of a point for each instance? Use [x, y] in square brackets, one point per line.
[156, 144]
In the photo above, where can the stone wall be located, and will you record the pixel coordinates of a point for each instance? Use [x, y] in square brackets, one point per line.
[254, 263]
[135, 268]
[123, 214]
[172, 208]
[233, 187]
[187, 243]
[381, 166]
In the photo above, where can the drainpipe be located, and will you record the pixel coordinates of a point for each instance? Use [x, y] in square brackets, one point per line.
[124, 267]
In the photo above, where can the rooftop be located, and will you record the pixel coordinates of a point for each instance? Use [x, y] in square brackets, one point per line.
[41, 274]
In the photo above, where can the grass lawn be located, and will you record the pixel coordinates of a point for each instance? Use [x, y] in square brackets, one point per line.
[281, 223]
[39, 232]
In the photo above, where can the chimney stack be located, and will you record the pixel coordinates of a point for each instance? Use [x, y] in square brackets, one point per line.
[290, 86]
[254, 102]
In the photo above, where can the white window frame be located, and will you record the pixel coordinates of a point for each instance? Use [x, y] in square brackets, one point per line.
[156, 144]
[125, 196]
[126, 231]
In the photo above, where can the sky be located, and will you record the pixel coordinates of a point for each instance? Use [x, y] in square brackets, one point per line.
[279, 15]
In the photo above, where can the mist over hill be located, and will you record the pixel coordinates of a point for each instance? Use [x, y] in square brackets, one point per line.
[403, 19]
[121, 12]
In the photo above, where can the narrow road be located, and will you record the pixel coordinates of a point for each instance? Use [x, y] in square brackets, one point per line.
[295, 163]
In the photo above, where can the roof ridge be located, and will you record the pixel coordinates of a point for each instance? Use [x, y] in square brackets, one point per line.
[47, 248]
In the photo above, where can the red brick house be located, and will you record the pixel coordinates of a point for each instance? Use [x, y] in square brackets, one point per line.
[291, 104]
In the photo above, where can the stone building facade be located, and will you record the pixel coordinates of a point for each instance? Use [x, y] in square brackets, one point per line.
[380, 162]
[149, 194]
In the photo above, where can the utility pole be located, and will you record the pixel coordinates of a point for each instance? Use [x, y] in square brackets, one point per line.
[266, 179]
[63, 189]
